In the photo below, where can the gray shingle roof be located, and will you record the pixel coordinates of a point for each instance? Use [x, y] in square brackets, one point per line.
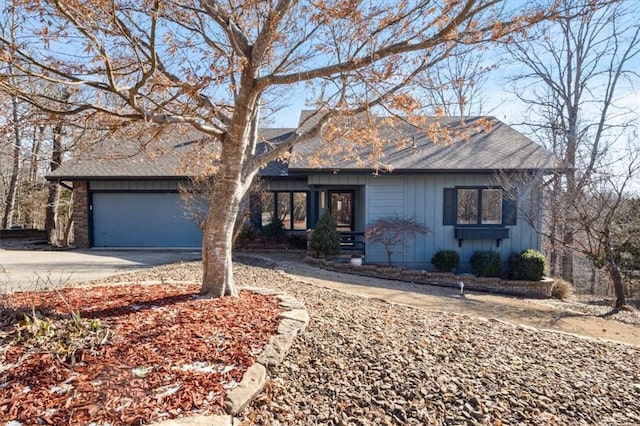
[477, 144]
[170, 155]
[473, 147]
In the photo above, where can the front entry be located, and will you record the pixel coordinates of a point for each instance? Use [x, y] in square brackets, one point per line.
[341, 208]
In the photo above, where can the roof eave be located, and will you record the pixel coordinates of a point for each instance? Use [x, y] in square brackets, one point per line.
[72, 178]
[337, 170]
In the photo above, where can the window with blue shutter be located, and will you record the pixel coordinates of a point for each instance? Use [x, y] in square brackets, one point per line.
[478, 206]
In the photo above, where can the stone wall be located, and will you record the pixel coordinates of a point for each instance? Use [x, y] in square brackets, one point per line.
[81, 214]
[536, 289]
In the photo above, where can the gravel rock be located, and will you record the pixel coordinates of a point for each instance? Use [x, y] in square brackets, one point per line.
[365, 362]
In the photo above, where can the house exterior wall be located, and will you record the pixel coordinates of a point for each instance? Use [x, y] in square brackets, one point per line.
[421, 197]
[284, 185]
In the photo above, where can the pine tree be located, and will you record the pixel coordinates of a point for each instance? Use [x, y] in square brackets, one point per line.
[325, 239]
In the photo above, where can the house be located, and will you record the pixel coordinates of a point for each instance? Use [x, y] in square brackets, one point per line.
[457, 188]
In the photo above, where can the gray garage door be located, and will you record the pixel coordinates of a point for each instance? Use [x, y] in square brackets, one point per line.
[143, 220]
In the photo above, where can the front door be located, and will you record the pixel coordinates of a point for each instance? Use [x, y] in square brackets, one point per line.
[341, 208]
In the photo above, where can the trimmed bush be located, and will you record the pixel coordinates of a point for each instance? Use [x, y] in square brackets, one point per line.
[486, 263]
[325, 239]
[527, 266]
[446, 260]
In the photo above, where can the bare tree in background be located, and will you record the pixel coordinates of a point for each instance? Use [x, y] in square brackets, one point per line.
[214, 66]
[57, 153]
[576, 73]
[455, 87]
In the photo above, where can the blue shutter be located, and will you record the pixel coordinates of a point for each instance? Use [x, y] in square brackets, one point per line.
[450, 211]
[509, 209]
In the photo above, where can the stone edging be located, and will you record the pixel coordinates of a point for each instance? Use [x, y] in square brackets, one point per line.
[293, 321]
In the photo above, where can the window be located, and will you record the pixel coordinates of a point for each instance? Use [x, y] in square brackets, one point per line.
[341, 207]
[300, 210]
[290, 207]
[467, 206]
[267, 201]
[478, 206]
[491, 207]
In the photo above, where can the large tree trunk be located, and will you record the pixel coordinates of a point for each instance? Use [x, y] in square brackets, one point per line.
[231, 182]
[217, 244]
[12, 192]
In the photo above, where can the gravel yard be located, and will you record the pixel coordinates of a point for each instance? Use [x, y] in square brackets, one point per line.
[365, 362]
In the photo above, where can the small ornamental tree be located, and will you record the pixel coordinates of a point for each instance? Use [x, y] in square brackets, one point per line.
[392, 231]
[325, 239]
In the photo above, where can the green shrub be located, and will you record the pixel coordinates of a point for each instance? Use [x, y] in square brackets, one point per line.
[325, 239]
[274, 232]
[445, 260]
[527, 266]
[486, 263]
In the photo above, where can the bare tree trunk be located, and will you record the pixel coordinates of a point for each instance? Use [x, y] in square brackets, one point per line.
[553, 255]
[38, 134]
[231, 183]
[567, 257]
[614, 272]
[54, 189]
[67, 229]
[217, 243]
[618, 282]
[554, 222]
[12, 192]
[594, 276]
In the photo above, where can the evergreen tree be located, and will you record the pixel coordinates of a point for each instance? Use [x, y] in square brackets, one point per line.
[325, 239]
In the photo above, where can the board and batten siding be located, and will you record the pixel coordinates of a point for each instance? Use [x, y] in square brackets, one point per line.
[285, 185]
[384, 197]
[421, 198]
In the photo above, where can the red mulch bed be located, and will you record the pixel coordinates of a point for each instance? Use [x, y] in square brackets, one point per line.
[159, 335]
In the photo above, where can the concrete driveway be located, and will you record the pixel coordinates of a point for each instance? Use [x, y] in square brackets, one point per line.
[22, 270]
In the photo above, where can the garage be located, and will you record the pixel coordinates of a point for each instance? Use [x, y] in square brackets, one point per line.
[143, 219]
